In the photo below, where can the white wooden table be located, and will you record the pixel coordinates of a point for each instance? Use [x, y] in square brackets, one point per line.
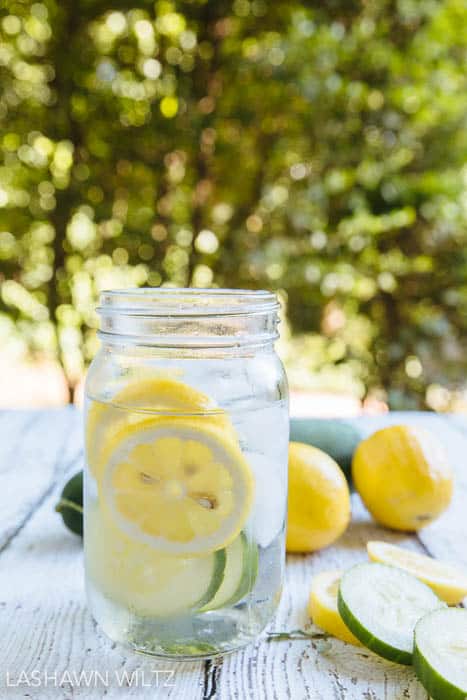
[50, 647]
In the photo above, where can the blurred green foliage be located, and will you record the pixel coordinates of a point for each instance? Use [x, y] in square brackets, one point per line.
[315, 148]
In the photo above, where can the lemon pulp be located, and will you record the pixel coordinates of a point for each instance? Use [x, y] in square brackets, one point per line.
[447, 581]
[322, 606]
[155, 393]
[143, 580]
[176, 480]
[176, 484]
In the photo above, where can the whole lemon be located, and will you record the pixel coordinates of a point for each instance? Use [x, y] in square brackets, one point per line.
[319, 499]
[403, 476]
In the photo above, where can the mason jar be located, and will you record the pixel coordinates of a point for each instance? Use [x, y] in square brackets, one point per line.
[186, 429]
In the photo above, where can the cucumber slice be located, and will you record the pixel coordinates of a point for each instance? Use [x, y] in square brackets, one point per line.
[241, 569]
[143, 580]
[440, 653]
[218, 573]
[381, 605]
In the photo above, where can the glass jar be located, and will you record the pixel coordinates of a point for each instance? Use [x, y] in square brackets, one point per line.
[186, 480]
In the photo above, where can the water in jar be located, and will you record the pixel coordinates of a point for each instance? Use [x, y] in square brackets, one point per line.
[184, 517]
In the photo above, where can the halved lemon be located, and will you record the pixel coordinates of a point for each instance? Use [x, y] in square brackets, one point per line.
[322, 606]
[447, 581]
[158, 394]
[177, 484]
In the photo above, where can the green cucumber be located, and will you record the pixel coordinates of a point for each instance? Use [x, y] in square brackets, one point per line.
[440, 653]
[188, 588]
[338, 438]
[239, 576]
[143, 580]
[70, 505]
[381, 605]
[218, 575]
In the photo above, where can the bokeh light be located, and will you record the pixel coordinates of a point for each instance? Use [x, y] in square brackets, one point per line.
[315, 149]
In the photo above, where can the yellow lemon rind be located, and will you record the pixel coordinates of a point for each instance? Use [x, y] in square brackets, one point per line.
[322, 606]
[225, 449]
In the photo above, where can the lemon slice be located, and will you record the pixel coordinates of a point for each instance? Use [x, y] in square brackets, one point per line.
[178, 484]
[146, 582]
[447, 581]
[158, 394]
[322, 606]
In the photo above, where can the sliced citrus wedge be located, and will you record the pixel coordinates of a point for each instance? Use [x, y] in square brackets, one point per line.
[322, 606]
[178, 484]
[158, 395]
[447, 581]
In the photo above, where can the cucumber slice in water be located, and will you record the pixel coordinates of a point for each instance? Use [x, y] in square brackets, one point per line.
[143, 580]
[381, 605]
[241, 569]
[440, 653]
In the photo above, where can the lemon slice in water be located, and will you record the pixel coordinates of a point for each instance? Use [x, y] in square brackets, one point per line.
[157, 394]
[147, 582]
[180, 485]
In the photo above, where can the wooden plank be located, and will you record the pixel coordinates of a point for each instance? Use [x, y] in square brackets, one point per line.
[457, 421]
[294, 669]
[280, 670]
[45, 625]
[31, 455]
[446, 537]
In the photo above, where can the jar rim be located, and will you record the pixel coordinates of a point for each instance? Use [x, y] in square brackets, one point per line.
[163, 302]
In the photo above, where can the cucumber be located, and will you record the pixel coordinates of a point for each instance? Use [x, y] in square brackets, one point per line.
[218, 573]
[440, 653]
[70, 505]
[381, 605]
[338, 438]
[143, 580]
[239, 576]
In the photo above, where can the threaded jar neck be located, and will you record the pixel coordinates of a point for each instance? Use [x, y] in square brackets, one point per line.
[188, 318]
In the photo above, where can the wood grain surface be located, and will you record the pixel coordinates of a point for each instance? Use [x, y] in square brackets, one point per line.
[51, 648]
